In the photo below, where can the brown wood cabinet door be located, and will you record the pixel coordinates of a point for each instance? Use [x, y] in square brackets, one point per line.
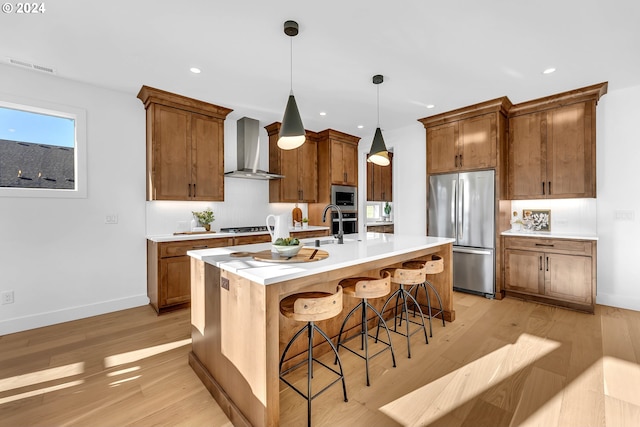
[379, 182]
[524, 271]
[477, 142]
[308, 172]
[207, 159]
[350, 163]
[527, 160]
[371, 182]
[569, 152]
[175, 281]
[568, 277]
[386, 181]
[442, 148]
[289, 190]
[337, 163]
[172, 154]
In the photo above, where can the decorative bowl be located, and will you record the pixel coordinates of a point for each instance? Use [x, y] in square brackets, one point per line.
[290, 250]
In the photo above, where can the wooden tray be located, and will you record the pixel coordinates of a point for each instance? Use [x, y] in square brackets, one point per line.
[302, 256]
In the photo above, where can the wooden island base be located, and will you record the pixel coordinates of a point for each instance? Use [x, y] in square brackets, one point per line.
[238, 332]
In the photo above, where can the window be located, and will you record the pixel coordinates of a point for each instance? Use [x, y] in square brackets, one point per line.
[42, 149]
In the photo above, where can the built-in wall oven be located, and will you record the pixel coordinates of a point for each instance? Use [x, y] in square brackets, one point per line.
[346, 198]
[349, 222]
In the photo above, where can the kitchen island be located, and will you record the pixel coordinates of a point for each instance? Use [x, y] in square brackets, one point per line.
[238, 332]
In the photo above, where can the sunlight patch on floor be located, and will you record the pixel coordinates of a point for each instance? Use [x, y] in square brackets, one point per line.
[621, 379]
[445, 394]
[39, 391]
[43, 376]
[136, 355]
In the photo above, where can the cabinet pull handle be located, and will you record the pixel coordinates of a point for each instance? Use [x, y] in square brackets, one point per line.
[543, 188]
[200, 247]
[549, 245]
[540, 262]
[460, 160]
[455, 161]
[547, 263]
[549, 186]
[194, 190]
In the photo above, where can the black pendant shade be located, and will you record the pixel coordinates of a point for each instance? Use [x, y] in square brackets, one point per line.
[378, 153]
[292, 133]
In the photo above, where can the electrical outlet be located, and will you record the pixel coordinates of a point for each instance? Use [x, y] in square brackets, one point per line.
[6, 297]
[111, 219]
[624, 215]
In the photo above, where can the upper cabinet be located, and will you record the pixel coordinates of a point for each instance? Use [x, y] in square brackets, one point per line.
[467, 138]
[338, 157]
[299, 167]
[379, 182]
[552, 149]
[185, 147]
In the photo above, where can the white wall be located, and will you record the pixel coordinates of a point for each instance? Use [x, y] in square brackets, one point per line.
[58, 256]
[618, 152]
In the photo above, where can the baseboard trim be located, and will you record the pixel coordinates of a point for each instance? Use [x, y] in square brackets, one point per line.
[626, 302]
[19, 324]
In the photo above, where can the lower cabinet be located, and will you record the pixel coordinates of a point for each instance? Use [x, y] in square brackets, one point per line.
[169, 271]
[388, 228]
[553, 271]
[169, 266]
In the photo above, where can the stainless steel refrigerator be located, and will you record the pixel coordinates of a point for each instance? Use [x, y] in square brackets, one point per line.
[461, 206]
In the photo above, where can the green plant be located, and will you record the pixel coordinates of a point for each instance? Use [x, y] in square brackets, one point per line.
[287, 241]
[387, 208]
[305, 219]
[204, 217]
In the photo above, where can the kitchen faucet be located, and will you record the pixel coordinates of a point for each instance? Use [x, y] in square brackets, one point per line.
[324, 215]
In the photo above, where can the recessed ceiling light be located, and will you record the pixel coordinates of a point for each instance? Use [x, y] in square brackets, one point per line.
[430, 106]
[549, 71]
[195, 70]
[322, 113]
[360, 126]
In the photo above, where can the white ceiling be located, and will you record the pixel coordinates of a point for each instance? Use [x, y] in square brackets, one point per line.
[447, 53]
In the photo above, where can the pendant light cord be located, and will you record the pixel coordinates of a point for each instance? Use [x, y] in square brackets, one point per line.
[291, 65]
[378, 105]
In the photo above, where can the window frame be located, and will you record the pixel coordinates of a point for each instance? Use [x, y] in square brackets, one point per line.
[79, 115]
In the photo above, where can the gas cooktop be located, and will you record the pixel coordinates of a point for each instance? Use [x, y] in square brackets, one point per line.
[249, 229]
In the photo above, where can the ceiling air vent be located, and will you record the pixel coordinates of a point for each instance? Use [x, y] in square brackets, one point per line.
[31, 66]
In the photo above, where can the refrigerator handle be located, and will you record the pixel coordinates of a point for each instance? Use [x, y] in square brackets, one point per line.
[460, 197]
[454, 212]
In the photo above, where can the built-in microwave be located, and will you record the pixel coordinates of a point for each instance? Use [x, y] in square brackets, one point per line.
[345, 197]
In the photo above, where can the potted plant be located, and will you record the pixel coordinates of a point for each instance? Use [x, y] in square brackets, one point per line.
[387, 209]
[305, 223]
[205, 218]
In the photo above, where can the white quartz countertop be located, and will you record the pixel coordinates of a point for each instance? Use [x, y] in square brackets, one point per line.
[181, 237]
[357, 249]
[379, 223]
[551, 235]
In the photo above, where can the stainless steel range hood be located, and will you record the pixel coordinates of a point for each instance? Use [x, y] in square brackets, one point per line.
[249, 152]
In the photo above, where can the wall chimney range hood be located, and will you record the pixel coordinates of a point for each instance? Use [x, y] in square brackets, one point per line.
[249, 152]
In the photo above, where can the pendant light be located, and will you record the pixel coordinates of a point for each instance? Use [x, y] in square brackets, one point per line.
[292, 133]
[378, 154]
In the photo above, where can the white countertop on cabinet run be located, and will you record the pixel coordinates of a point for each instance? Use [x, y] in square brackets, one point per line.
[551, 235]
[181, 237]
[357, 249]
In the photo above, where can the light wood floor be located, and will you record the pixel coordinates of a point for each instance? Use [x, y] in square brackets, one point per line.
[501, 363]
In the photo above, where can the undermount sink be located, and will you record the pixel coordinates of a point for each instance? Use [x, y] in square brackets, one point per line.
[327, 241]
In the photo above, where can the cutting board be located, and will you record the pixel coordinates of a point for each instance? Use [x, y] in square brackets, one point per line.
[296, 215]
[302, 256]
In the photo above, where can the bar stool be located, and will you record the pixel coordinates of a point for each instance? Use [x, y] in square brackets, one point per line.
[311, 307]
[404, 277]
[435, 265]
[365, 288]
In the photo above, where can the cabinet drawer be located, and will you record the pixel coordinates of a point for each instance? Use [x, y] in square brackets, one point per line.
[174, 249]
[248, 240]
[309, 234]
[573, 247]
